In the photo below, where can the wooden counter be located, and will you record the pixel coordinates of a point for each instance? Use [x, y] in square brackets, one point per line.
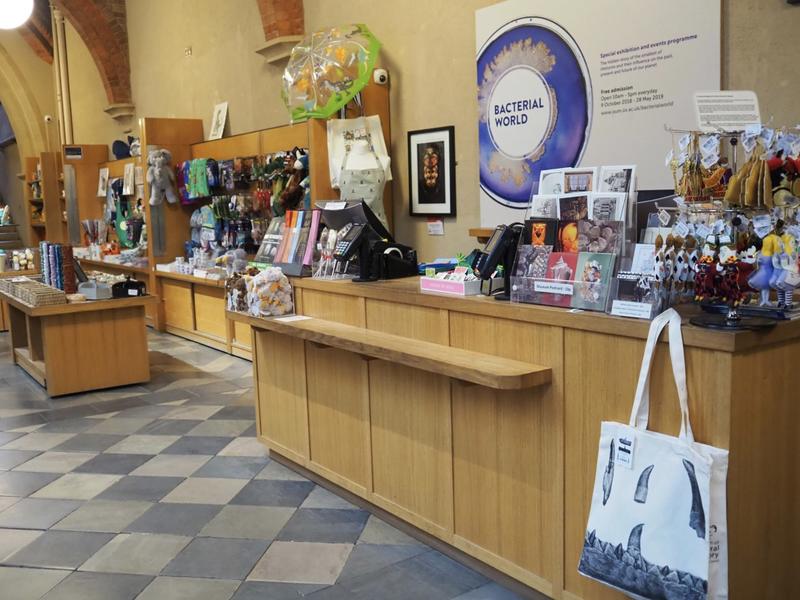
[506, 475]
[71, 348]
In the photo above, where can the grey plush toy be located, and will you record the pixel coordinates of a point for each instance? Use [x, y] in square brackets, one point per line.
[161, 177]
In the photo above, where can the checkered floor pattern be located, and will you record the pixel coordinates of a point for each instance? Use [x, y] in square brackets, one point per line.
[162, 492]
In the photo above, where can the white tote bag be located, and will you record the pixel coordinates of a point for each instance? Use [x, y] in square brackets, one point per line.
[658, 526]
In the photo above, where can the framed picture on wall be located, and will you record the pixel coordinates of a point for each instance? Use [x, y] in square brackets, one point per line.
[218, 121]
[432, 172]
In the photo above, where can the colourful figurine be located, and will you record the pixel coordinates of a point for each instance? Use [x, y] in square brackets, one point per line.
[760, 280]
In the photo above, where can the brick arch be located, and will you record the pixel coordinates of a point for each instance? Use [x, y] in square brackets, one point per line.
[281, 18]
[103, 28]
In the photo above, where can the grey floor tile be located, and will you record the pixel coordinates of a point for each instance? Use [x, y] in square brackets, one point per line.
[136, 554]
[260, 590]
[269, 492]
[187, 588]
[77, 486]
[300, 562]
[34, 513]
[322, 498]
[172, 465]
[149, 411]
[169, 426]
[250, 431]
[245, 446]
[275, 470]
[236, 412]
[55, 462]
[201, 558]
[11, 458]
[248, 522]
[89, 442]
[491, 591]
[14, 540]
[198, 445]
[368, 558]
[119, 425]
[6, 437]
[174, 519]
[6, 501]
[235, 467]
[143, 444]
[380, 532]
[108, 516]
[59, 550]
[68, 426]
[18, 583]
[99, 586]
[324, 525]
[194, 412]
[150, 489]
[17, 483]
[38, 441]
[113, 464]
[220, 428]
[205, 490]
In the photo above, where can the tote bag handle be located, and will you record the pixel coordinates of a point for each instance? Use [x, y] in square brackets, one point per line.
[640, 414]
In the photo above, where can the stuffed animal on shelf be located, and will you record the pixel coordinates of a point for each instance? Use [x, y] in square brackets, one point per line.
[161, 177]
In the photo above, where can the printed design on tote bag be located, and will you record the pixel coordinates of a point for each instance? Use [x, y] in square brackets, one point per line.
[627, 569]
[608, 476]
[697, 516]
[642, 486]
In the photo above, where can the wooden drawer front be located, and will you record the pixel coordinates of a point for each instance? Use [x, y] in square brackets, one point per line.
[417, 322]
[3, 316]
[241, 334]
[338, 413]
[412, 451]
[178, 304]
[283, 411]
[334, 307]
[209, 311]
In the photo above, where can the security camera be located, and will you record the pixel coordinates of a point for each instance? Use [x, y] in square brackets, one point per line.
[380, 76]
[48, 118]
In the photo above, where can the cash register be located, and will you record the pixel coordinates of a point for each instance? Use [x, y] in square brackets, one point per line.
[363, 235]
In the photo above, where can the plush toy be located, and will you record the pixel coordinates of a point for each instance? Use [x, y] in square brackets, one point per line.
[161, 177]
[294, 192]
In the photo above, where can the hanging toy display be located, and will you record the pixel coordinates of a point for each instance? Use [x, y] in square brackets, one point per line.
[161, 177]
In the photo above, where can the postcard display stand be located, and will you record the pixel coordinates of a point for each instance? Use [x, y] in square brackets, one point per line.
[572, 241]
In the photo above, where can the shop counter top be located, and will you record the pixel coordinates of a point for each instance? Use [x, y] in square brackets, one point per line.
[102, 264]
[407, 291]
[217, 283]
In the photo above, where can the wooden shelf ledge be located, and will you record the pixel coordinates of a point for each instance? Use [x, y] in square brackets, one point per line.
[473, 367]
[217, 283]
[102, 264]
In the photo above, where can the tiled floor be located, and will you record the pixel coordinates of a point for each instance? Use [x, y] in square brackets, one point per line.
[162, 492]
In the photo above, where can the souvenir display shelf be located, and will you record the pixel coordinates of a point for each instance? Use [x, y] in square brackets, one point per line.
[506, 475]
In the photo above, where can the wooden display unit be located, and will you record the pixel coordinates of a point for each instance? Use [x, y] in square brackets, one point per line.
[32, 202]
[3, 305]
[85, 160]
[70, 348]
[506, 475]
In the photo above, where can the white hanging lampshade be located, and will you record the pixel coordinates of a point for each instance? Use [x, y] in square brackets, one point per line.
[14, 13]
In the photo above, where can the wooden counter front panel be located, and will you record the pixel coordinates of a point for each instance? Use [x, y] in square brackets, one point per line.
[415, 322]
[280, 367]
[241, 334]
[764, 475]
[333, 307]
[176, 297]
[601, 372]
[77, 349]
[209, 311]
[507, 448]
[3, 316]
[412, 448]
[338, 416]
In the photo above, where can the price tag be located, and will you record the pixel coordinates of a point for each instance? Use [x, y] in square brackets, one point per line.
[763, 232]
[663, 217]
[718, 226]
[709, 144]
[682, 158]
[752, 130]
[702, 230]
[767, 136]
[668, 159]
[623, 456]
[683, 143]
[748, 144]
[335, 205]
[762, 221]
[709, 160]
[681, 229]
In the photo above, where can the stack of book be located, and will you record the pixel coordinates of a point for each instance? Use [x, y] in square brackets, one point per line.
[290, 241]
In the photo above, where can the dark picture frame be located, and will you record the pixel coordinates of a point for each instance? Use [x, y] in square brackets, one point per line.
[432, 172]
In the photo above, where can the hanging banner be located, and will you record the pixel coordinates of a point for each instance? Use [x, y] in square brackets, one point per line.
[564, 87]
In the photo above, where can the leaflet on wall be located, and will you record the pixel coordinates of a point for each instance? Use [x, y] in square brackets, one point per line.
[556, 91]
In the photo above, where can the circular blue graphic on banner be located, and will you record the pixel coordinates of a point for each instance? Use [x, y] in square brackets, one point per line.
[535, 101]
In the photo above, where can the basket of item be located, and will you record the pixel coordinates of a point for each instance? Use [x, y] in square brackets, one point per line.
[266, 293]
[34, 293]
